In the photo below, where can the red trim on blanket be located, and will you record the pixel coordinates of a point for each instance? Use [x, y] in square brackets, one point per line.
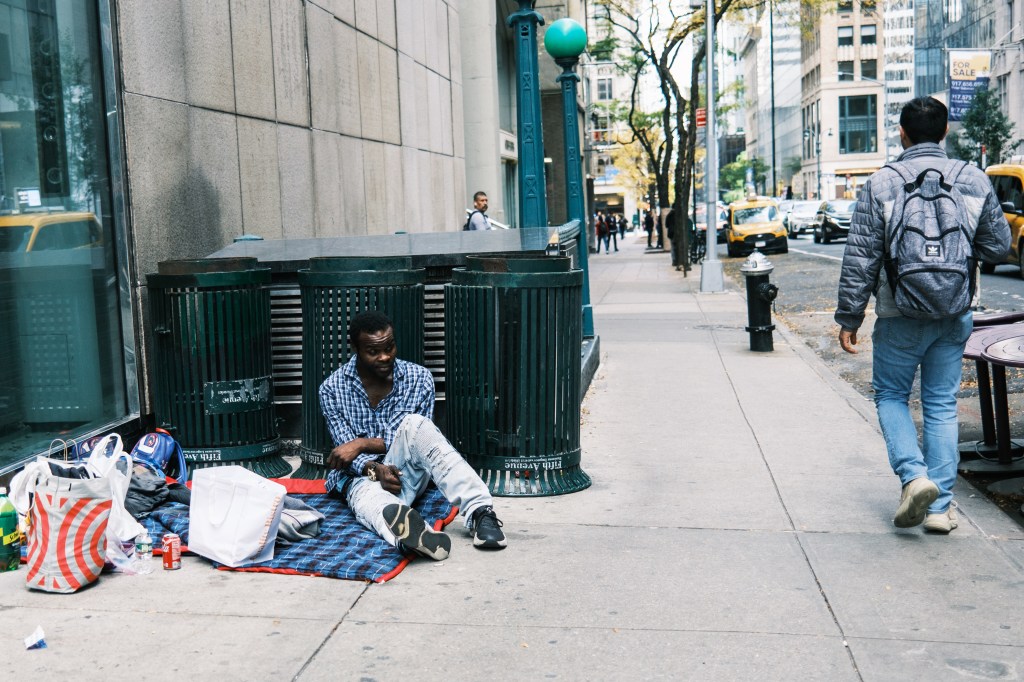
[299, 486]
[438, 525]
[282, 571]
[294, 486]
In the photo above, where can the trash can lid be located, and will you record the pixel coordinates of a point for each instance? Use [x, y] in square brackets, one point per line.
[518, 264]
[203, 265]
[359, 264]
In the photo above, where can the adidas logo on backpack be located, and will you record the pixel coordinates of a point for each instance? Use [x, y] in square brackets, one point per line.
[929, 245]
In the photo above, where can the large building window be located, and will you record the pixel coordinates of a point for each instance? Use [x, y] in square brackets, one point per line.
[845, 36]
[845, 71]
[604, 89]
[869, 34]
[858, 127]
[62, 367]
[869, 68]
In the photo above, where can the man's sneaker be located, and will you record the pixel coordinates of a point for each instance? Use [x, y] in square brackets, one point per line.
[413, 534]
[487, 530]
[941, 523]
[914, 501]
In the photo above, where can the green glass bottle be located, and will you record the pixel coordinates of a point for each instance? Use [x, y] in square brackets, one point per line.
[10, 540]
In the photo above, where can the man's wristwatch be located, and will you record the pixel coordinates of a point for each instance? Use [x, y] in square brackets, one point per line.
[371, 471]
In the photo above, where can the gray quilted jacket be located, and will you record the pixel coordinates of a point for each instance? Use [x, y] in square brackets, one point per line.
[862, 273]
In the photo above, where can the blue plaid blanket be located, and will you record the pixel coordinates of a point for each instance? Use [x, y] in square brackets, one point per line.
[344, 549]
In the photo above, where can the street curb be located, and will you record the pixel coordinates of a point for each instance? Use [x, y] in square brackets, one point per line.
[590, 357]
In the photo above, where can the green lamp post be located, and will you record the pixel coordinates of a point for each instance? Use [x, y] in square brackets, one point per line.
[565, 40]
[533, 207]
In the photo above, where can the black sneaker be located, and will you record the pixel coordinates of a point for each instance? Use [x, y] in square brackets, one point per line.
[414, 535]
[487, 530]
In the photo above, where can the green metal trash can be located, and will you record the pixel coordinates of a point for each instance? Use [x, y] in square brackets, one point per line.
[212, 362]
[513, 332]
[333, 291]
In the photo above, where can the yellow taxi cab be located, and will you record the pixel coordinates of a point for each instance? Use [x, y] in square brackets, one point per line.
[1008, 183]
[755, 223]
[24, 232]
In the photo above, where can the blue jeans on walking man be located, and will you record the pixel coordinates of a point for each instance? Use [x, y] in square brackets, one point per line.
[901, 346]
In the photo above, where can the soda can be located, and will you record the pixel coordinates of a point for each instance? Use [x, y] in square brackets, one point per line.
[171, 551]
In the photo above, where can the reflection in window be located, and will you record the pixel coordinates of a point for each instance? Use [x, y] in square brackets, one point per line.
[61, 361]
[858, 127]
[869, 68]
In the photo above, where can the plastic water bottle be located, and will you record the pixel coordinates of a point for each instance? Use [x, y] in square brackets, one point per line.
[10, 538]
[143, 554]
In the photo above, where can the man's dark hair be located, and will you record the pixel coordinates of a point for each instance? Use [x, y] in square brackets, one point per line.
[369, 321]
[479, 194]
[924, 119]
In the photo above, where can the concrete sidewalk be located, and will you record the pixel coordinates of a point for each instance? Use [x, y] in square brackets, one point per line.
[739, 527]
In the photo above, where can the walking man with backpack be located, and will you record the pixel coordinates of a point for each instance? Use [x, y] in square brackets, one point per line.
[921, 225]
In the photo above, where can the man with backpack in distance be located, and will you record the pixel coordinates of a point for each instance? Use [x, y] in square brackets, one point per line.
[477, 219]
[920, 227]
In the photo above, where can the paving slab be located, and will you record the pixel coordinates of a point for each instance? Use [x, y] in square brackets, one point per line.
[908, 585]
[117, 645]
[654, 577]
[196, 588]
[362, 650]
[884, 660]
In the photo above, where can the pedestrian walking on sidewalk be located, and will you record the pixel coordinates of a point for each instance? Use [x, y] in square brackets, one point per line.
[648, 226]
[923, 313]
[379, 410]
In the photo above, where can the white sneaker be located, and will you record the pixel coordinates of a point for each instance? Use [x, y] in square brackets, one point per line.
[914, 501]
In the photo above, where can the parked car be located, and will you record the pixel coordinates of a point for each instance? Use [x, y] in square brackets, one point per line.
[800, 218]
[1008, 183]
[832, 220]
[755, 223]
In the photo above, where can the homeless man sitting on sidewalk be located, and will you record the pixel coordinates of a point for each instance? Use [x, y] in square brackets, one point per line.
[378, 409]
[938, 217]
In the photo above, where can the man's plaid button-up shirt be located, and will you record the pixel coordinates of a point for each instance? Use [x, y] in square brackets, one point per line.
[346, 408]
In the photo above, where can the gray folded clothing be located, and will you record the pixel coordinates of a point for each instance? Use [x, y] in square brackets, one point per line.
[146, 491]
[299, 522]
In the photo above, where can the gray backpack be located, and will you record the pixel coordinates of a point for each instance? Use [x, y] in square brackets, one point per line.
[929, 245]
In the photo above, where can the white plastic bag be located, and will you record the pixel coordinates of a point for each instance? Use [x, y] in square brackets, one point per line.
[234, 515]
[109, 460]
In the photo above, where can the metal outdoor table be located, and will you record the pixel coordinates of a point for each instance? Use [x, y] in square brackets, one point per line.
[1007, 351]
[987, 448]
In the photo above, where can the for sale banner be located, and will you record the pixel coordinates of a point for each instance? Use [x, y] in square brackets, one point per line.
[968, 72]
